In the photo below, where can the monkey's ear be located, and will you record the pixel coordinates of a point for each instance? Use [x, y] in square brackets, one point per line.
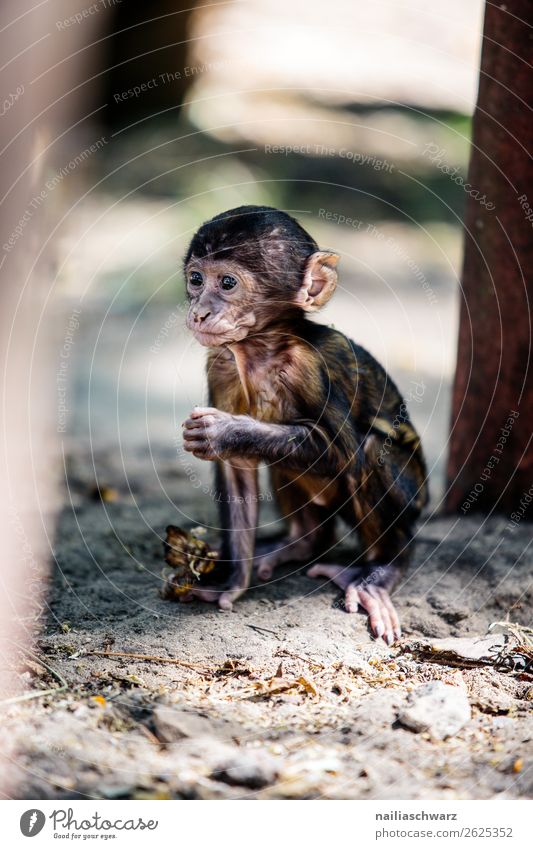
[320, 280]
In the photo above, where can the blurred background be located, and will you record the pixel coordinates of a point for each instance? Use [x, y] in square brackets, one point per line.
[351, 117]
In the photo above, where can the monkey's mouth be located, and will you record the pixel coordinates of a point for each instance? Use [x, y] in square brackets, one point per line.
[213, 336]
[212, 339]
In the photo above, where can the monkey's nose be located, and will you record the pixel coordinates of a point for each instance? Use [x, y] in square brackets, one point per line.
[201, 316]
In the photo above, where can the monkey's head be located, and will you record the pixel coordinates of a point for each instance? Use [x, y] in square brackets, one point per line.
[248, 268]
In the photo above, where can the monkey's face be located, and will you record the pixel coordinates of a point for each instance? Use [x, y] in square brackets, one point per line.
[221, 295]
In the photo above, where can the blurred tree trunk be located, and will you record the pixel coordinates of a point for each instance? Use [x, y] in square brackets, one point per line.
[42, 103]
[491, 461]
[150, 46]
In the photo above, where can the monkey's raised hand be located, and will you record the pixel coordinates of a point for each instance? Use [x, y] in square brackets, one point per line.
[211, 434]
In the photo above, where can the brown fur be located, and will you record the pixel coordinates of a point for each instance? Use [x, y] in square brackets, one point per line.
[318, 409]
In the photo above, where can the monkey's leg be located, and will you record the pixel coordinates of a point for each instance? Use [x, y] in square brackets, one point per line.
[311, 530]
[379, 508]
[237, 483]
[311, 526]
[296, 548]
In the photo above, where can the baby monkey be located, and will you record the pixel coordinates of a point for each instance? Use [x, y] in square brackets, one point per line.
[318, 409]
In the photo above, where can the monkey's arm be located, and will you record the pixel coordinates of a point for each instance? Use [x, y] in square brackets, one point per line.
[212, 434]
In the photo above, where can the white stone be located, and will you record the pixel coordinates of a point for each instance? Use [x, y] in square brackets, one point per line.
[438, 708]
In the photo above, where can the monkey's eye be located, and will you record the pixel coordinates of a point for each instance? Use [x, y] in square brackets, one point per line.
[195, 278]
[228, 282]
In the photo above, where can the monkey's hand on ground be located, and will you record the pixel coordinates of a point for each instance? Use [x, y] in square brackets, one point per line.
[211, 434]
[367, 587]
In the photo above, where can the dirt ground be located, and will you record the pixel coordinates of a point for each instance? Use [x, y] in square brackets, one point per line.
[287, 696]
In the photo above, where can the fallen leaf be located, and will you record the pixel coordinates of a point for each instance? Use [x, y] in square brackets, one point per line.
[188, 558]
[308, 686]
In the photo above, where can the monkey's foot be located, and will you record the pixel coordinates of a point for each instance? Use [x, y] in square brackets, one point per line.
[223, 596]
[367, 587]
[287, 551]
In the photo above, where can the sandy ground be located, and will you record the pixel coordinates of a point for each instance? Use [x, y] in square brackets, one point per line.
[285, 697]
